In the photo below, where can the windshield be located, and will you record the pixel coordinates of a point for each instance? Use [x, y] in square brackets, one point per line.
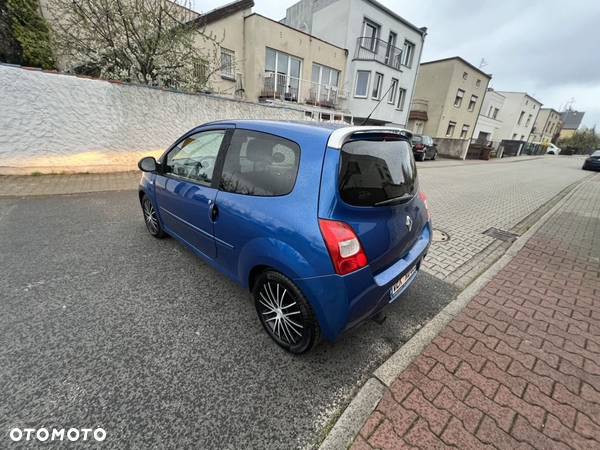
[377, 172]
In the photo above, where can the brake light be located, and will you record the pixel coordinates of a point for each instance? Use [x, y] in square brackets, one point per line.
[343, 245]
[419, 146]
[423, 198]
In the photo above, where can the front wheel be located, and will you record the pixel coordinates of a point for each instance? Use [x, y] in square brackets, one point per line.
[151, 218]
[285, 313]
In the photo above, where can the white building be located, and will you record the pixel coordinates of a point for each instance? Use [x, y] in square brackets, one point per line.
[384, 51]
[488, 122]
[517, 115]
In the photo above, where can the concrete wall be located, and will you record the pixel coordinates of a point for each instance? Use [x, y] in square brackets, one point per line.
[452, 148]
[52, 122]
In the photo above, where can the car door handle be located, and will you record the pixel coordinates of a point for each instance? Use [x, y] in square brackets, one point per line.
[214, 212]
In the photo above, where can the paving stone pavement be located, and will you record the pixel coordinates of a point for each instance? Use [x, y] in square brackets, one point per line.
[468, 199]
[27, 185]
[519, 367]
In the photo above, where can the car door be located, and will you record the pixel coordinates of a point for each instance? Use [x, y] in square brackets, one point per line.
[184, 188]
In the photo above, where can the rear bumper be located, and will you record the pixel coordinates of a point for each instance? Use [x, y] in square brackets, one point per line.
[341, 302]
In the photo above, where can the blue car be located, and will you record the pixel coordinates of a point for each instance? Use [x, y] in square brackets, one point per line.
[325, 225]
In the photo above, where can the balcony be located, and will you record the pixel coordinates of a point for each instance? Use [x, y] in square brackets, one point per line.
[373, 49]
[286, 88]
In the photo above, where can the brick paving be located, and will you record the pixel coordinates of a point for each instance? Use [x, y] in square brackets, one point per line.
[469, 198]
[520, 366]
[26, 185]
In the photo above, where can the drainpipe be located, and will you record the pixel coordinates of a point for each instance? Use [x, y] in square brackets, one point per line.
[414, 88]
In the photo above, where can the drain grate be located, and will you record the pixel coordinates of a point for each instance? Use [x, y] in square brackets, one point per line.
[502, 235]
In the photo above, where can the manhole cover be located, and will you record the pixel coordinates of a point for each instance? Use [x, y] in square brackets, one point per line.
[439, 236]
[505, 236]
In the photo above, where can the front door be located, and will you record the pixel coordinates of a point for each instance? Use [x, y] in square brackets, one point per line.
[184, 189]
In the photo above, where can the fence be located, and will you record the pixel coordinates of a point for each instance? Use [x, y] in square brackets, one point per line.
[56, 122]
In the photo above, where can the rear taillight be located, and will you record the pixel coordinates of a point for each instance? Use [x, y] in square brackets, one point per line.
[419, 146]
[423, 198]
[343, 245]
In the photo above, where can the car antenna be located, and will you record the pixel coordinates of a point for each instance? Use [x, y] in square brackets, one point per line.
[375, 107]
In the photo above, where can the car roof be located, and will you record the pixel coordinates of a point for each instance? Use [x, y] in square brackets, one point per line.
[334, 133]
[596, 152]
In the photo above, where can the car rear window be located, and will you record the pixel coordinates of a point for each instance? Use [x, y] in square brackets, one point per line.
[377, 172]
[417, 139]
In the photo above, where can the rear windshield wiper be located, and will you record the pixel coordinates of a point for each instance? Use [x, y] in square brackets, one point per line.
[402, 199]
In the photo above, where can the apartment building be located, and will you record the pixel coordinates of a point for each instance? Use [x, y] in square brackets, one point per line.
[265, 60]
[518, 116]
[546, 127]
[448, 98]
[384, 51]
[488, 122]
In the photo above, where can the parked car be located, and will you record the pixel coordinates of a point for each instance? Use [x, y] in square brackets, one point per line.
[423, 147]
[592, 162]
[553, 149]
[324, 225]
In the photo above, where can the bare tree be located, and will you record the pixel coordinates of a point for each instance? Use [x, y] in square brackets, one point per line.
[154, 42]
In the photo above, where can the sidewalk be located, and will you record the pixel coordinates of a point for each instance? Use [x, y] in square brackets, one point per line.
[519, 367]
[25, 185]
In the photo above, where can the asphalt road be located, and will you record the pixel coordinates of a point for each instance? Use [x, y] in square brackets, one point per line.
[104, 326]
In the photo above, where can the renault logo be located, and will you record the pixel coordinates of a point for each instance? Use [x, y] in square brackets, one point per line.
[409, 223]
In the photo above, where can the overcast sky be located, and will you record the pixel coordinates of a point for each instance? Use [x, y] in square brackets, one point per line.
[548, 48]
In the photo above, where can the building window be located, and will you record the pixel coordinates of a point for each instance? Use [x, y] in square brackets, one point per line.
[393, 88]
[200, 69]
[282, 75]
[401, 98]
[464, 132]
[521, 117]
[478, 82]
[450, 129]
[490, 111]
[377, 83]
[459, 96]
[308, 115]
[391, 54]
[370, 35]
[324, 85]
[361, 87]
[227, 63]
[496, 111]
[472, 102]
[528, 120]
[465, 75]
[408, 51]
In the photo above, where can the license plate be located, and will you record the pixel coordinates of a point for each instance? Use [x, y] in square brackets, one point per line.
[402, 281]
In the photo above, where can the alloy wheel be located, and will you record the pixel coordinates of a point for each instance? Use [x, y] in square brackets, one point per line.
[150, 216]
[280, 313]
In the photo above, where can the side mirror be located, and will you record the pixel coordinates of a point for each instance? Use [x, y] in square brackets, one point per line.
[147, 164]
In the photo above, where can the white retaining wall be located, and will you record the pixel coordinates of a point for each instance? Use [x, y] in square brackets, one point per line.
[54, 122]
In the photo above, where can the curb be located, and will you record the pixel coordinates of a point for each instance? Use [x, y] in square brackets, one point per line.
[360, 408]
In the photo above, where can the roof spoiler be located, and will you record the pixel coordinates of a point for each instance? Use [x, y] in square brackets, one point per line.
[341, 135]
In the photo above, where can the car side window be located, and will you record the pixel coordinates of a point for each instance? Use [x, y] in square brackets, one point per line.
[195, 157]
[260, 164]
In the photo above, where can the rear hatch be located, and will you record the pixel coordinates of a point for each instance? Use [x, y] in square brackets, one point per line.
[377, 185]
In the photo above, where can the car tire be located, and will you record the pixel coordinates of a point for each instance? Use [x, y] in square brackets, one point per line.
[285, 313]
[151, 218]
[421, 157]
[434, 156]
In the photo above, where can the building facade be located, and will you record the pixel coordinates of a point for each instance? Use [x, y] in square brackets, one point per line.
[448, 98]
[518, 116]
[488, 122]
[384, 51]
[547, 126]
[571, 120]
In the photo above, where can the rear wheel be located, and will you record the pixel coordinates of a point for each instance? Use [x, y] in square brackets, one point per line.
[151, 218]
[420, 157]
[285, 313]
[434, 156]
